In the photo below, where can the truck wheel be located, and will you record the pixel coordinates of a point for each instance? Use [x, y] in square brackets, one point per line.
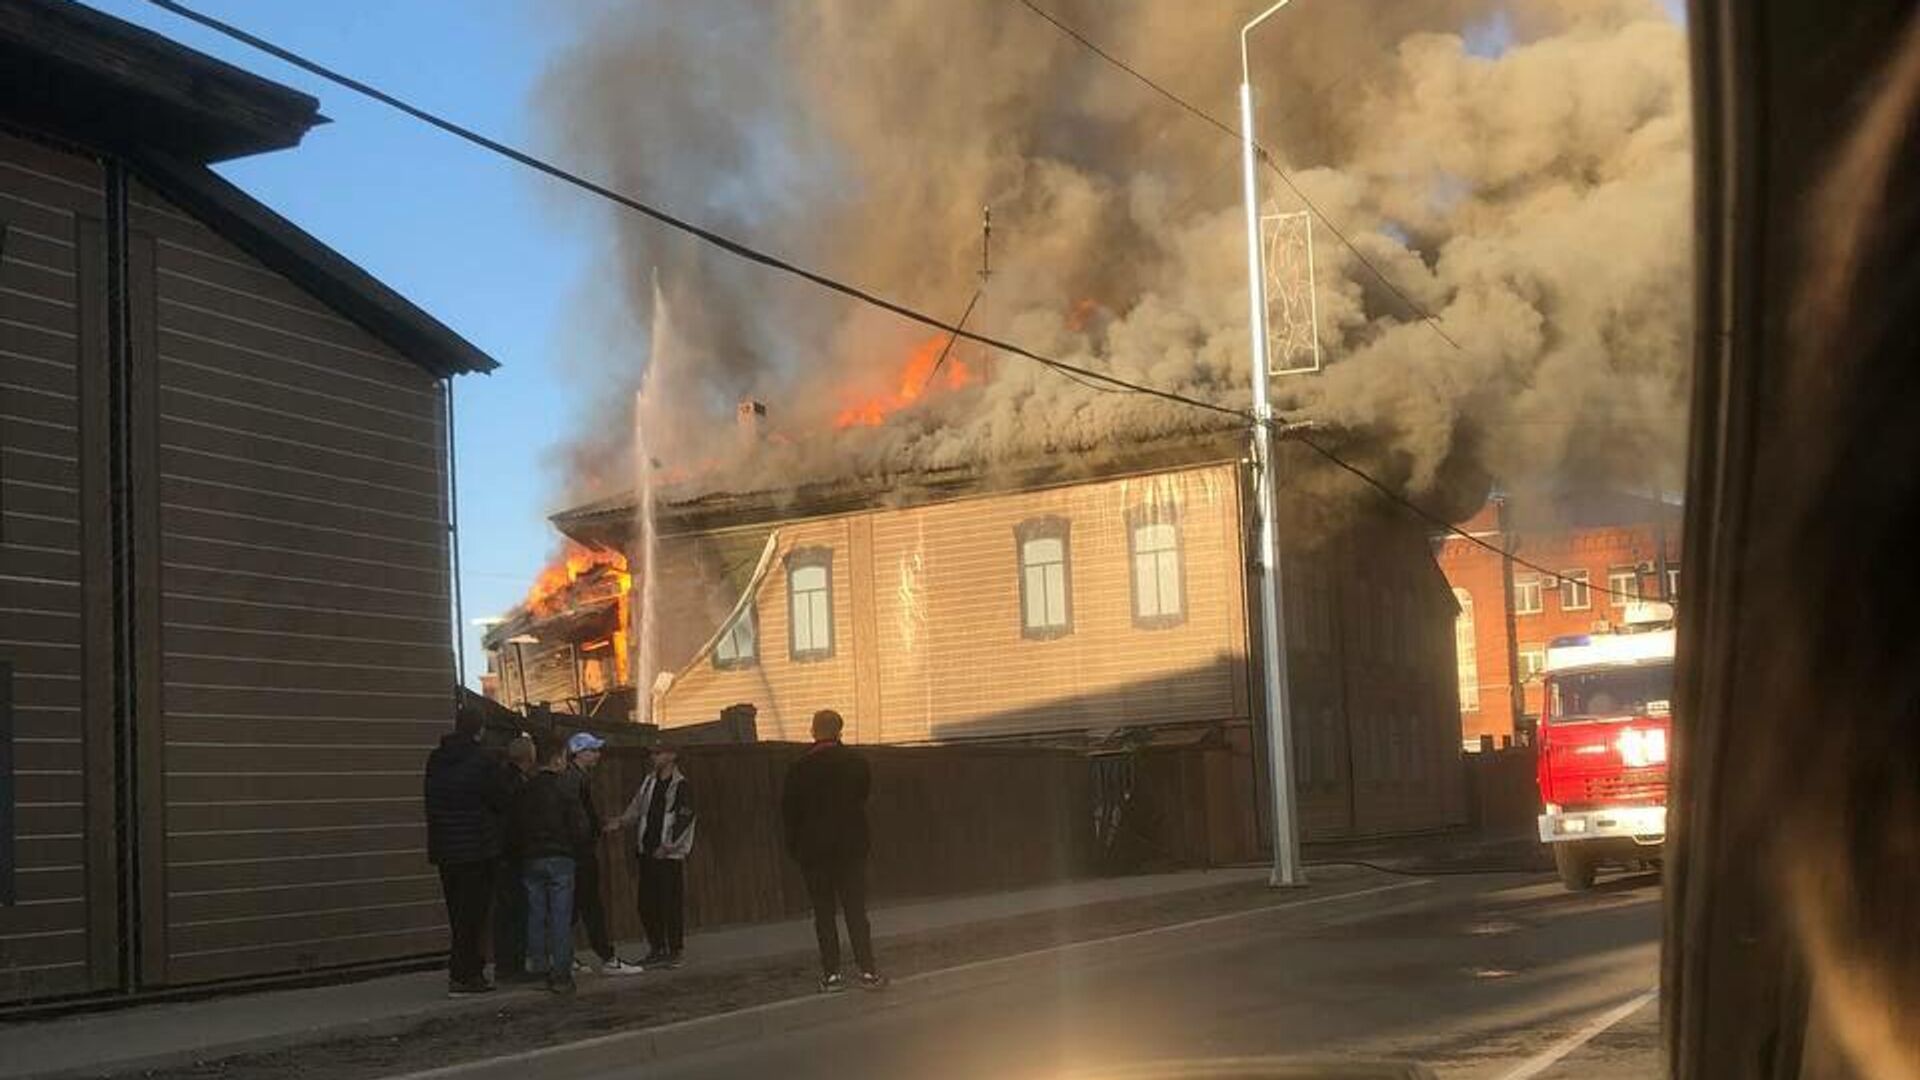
[1576, 870]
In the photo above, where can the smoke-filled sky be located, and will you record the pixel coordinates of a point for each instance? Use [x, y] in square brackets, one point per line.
[1520, 169]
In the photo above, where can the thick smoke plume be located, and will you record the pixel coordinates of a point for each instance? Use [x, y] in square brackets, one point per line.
[1520, 169]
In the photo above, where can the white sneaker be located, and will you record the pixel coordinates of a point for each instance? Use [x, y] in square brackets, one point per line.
[617, 966]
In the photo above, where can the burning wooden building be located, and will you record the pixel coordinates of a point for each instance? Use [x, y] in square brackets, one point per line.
[1044, 604]
[567, 646]
[225, 637]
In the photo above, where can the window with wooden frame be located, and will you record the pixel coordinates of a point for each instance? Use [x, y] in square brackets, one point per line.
[1527, 596]
[1159, 569]
[1575, 592]
[1046, 577]
[810, 604]
[739, 644]
[1623, 585]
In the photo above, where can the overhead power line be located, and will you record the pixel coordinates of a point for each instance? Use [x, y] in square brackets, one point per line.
[754, 255]
[1266, 158]
[1386, 490]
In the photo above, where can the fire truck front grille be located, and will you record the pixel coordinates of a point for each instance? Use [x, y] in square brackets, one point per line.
[1632, 785]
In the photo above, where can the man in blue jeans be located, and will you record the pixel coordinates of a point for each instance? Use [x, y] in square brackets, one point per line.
[548, 825]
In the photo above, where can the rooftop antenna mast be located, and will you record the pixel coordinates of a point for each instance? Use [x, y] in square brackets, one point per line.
[986, 274]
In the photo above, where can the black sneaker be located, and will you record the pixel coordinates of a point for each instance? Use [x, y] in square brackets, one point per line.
[832, 984]
[673, 961]
[655, 958]
[560, 984]
[873, 980]
[469, 988]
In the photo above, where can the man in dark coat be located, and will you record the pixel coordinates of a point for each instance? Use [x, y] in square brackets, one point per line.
[466, 792]
[509, 892]
[824, 804]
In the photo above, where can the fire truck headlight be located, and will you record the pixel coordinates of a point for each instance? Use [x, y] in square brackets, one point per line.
[1639, 749]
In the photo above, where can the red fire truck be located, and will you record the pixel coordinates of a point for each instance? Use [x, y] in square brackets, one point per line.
[1603, 745]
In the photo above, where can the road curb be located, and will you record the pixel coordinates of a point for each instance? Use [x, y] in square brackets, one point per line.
[684, 1037]
[392, 1024]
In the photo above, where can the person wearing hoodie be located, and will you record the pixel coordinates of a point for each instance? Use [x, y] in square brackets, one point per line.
[662, 809]
[465, 791]
[547, 825]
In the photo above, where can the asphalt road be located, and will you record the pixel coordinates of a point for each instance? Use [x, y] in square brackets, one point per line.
[1473, 976]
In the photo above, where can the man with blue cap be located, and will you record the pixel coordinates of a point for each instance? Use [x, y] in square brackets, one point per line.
[589, 906]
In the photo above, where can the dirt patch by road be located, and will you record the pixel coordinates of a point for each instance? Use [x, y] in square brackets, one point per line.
[526, 1020]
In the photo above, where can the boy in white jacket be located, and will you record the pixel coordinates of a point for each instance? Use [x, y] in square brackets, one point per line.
[663, 812]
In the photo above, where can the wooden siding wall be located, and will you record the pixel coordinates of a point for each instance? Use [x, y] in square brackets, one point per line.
[1374, 689]
[927, 616]
[58, 936]
[304, 658]
[785, 691]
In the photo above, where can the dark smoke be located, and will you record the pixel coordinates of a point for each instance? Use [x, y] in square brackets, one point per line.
[1536, 199]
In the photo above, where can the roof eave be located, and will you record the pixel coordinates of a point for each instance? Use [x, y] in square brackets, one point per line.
[329, 276]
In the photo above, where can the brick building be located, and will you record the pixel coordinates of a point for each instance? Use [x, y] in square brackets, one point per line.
[1593, 543]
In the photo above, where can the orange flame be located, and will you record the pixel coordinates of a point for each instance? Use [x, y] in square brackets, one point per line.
[913, 382]
[1082, 313]
[549, 591]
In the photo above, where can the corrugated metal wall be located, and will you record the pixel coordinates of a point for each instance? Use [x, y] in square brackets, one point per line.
[304, 660]
[52, 940]
[289, 648]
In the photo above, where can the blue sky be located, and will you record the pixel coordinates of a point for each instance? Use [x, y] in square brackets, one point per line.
[478, 241]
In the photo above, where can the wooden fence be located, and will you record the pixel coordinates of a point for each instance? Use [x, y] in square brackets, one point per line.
[945, 820]
[1502, 794]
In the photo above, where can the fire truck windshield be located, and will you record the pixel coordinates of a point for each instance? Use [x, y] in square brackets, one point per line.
[1607, 693]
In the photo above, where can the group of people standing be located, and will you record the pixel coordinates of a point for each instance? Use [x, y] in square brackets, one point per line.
[517, 838]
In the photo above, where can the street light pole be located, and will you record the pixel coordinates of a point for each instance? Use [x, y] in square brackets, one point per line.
[1273, 630]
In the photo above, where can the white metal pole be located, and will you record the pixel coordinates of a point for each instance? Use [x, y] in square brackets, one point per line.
[1273, 629]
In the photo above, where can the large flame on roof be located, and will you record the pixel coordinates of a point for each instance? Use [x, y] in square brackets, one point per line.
[922, 373]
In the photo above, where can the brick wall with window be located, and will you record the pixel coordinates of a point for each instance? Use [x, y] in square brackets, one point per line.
[1585, 562]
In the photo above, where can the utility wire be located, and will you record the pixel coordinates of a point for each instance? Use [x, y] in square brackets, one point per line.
[1266, 158]
[727, 244]
[1295, 433]
[951, 338]
[740, 250]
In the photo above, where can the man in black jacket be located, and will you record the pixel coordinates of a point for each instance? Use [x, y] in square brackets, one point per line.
[509, 892]
[466, 792]
[824, 805]
[547, 825]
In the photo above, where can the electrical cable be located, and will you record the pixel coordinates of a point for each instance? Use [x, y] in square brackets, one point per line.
[1449, 871]
[948, 348]
[1079, 374]
[1295, 434]
[1266, 158]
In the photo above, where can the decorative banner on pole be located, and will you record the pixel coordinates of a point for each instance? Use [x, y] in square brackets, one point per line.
[1293, 314]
